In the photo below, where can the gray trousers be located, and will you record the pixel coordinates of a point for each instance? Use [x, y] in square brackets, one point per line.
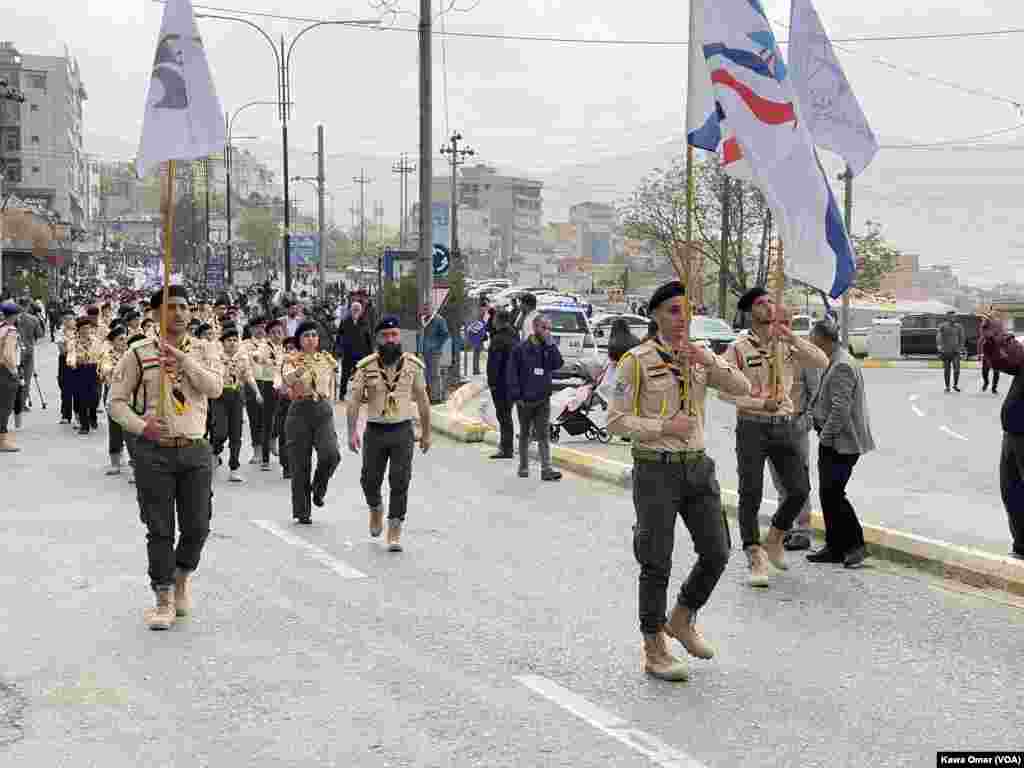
[388, 447]
[803, 438]
[28, 370]
[661, 492]
[309, 425]
[8, 392]
[538, 416]
[757, 441]
[173, 482]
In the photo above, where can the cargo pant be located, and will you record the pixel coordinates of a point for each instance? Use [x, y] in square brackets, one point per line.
[310, 425]
[227, 424]
[538, 416]
[388, 447]
[8, 397]
[662, 492]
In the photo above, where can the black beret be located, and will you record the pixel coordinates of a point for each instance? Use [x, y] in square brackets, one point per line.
[83, 321]
[230, 332]
[148, 321]
[173, 292]
[305, 326]
[123, 310]
[386, 323]
[131, 314]
[664, 293]
[257, 321]
[92, 311]
[116, 330]
[747, 299]
[221, 302]
[203, 328]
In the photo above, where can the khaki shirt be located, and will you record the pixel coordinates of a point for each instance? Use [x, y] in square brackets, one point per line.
[267, 358]
[648, 394]
[9, 347]
[84, 352]
[373, 384]
[755, 360]
[237, 369]
[199, 379]
[316, 373]
[108, 364]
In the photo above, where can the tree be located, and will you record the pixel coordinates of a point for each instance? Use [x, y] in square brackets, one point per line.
[258, 227]
[875, 256]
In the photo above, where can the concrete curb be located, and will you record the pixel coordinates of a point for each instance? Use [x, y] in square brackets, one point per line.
[939, 558]
[914, 364]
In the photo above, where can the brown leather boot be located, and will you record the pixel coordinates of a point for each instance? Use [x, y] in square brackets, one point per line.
[758, 565]
[7, 443]
[394, 535]
[774, 549]
[681, 626]
[659, 663]
[182, 593]
[376, 521]
[161, 616]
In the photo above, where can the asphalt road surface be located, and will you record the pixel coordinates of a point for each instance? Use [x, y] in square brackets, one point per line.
[505, 635]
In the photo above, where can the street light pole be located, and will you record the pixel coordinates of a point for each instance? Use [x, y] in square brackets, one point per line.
[425, 271]
[320, 206]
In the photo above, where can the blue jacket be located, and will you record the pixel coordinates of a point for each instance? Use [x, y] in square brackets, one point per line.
[434, 335]
[529, 370]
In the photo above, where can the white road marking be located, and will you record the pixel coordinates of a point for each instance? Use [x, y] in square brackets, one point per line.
[611, 725]
[342, 569]
[913, 398]
[917, 410]
[951, 433]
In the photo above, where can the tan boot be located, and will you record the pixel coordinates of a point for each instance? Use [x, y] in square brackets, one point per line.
[681, 626]
[161, 616]
[774, 550]
[394, 535]
[376, 521]
[182, 593]
[7, 443]
[659, 663]
[758, 565]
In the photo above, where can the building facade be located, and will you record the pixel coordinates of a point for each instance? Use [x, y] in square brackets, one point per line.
[41, 145]
[596, 225]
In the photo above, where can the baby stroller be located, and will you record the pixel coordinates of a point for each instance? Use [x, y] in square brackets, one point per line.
[574, 417]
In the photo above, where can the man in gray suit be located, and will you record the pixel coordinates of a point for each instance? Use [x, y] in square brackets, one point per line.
[841, 420]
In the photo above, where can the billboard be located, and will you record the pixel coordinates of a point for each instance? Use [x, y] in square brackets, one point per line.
[439, 213]
[304, 249]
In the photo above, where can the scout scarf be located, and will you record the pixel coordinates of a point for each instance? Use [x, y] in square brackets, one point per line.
[390, 383]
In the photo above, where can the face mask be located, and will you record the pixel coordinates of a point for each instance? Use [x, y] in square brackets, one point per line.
[389, 353]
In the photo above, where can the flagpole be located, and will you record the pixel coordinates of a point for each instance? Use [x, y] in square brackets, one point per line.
[168, 202]
[780, 282]
[688, 268]
[848, 205]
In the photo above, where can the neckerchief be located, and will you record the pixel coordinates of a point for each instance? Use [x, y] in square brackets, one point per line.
[391, 403]
[670, 361]
[181, 404]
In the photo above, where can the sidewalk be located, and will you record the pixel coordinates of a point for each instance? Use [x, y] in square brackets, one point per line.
[460, 418]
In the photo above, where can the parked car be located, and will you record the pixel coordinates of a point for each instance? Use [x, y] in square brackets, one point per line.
[917, 334]
[570, 330]
[603, 328]
[713, 331]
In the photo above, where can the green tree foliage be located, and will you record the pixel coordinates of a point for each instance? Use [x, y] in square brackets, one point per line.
[257, 226]
[875, 257]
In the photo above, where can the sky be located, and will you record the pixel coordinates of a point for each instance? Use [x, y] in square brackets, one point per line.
[530, 106]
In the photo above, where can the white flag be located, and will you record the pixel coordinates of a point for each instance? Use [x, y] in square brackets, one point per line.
[827, 104]
[184, 119]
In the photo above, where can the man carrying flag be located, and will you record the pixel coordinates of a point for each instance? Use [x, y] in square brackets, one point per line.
[172, 377]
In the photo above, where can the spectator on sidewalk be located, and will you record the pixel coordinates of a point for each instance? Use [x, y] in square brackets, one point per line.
[476, 334]
[530, 370]
[527, 311]
[432, 340]
[1004, 353]
[503, 342]
[841, 420]
[30, 331]
[950, 340]
[354, 342]
[986, 367]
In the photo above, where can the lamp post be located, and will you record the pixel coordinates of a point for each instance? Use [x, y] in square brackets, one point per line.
[283, 59]
[230, 123]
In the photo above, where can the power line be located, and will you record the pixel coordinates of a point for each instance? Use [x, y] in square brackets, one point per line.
[954, 142]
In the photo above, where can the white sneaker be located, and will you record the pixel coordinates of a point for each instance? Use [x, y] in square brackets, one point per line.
[257, 457]
[235, 477]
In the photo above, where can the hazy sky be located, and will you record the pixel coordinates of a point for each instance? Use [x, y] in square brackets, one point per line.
[526, 105]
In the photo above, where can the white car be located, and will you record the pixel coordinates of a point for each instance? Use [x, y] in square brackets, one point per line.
[570, 330]
[603, 328]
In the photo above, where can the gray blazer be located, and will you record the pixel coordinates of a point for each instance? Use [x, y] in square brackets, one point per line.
[840, 407]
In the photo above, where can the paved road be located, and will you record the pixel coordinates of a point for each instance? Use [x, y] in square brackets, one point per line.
[936, 470]
[504, 636]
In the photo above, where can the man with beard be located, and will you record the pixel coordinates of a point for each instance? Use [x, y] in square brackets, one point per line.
[173, 465]
[389, 381]
[354, 343]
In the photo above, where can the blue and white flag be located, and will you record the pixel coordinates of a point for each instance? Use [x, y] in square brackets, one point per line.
[754, 93]
[827, 103]
[183, 119]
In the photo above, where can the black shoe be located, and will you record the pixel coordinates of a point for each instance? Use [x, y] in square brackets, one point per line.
[956, 388]
[795, 542]
[318, 497]
[854, 558]
[305, 521]
[947, 390]
[286, 473]
[984, 388]
[83, 431]
[1017, 554]
[502, 455]
[524, 473]
[995, 391]
[551, 475]
[824, 555]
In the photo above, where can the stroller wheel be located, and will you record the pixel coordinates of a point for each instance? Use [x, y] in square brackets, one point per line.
[599, 434]
[554, 432]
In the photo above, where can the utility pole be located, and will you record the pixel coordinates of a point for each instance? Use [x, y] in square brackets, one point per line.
[404, 169]
[456, 157]
[362, 181]
[425, 265]
[847, 178]
[320, 179]
[227, 197]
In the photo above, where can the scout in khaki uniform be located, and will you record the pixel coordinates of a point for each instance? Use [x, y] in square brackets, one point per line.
[658, 403]
[309, 376]
[769, 427]
[267, 357]
[254, 399]
[389, 382]
[82, 361]
[111, 358]
[9, 364]
[173, 465]
[227, 409]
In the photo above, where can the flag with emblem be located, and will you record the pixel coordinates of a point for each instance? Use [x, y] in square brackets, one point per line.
[183, 119]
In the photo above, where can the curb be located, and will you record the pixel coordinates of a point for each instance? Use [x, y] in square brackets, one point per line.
[939, 558]
[914, 364]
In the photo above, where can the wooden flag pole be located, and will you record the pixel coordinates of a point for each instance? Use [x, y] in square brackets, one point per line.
[168, 204]
[780, 284]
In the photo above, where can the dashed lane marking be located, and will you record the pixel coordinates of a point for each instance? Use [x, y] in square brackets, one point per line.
[913, 398]
[917, 410]
[657, 751]
[951, 433]
[332, 563]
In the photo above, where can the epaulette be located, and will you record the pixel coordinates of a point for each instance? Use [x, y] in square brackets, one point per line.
[366, 361]
[410, 357]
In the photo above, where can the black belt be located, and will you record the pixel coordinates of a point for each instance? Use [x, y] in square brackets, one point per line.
[766, 419]
[652, 456]
[388, 426]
